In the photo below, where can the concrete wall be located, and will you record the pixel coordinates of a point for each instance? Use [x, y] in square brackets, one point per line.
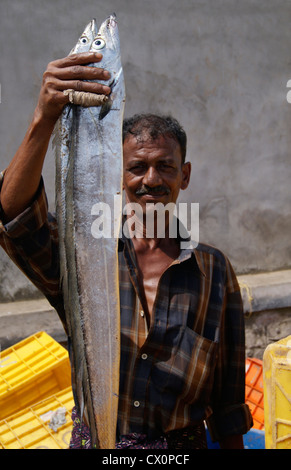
[221, 67]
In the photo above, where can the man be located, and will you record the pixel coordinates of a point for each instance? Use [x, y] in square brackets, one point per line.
[182, 329]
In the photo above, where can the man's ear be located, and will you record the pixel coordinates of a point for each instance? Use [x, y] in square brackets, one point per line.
[186, 172]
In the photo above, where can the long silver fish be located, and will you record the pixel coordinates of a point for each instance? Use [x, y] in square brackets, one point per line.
[62, 141]
[89, 171]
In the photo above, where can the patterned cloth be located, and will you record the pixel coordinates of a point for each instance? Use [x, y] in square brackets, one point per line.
[188, 364]
[190, 438]
[80, 438]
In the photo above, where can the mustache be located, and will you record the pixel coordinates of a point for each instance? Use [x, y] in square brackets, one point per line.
[144, 189]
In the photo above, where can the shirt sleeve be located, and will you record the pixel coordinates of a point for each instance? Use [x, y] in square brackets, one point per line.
[231, 415]
[31, 241]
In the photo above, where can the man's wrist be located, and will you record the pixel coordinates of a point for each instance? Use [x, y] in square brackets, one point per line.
[43, 121]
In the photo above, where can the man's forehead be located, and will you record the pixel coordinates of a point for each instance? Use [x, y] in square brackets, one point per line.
[138, 142]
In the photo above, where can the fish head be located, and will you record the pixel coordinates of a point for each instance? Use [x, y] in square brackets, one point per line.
[85, 40]
[107, 43]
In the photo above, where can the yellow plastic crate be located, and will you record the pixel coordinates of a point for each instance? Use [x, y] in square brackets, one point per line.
[277, 394]
[31, 371]
[30, 428]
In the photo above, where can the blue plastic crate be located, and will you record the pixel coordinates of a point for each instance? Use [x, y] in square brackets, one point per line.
[254, 439]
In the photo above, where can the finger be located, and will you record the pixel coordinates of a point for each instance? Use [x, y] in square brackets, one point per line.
[76, 59]
[81, 73]
[79, 85]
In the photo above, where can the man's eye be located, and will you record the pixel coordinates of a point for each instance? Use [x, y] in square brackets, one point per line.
[137, 167]
[166, 165]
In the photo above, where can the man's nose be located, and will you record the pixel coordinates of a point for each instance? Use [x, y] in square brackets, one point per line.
[152, 177]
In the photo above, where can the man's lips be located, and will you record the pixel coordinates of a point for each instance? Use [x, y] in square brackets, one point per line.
[152, 197]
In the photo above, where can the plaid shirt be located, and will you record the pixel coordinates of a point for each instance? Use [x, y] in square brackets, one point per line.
[188, 365]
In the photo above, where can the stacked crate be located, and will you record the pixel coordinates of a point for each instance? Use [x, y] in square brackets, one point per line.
[277, 392]
[254, 391]
[36, 398]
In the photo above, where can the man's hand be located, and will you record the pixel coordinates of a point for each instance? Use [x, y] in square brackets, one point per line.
[22, 176]
[72, 72]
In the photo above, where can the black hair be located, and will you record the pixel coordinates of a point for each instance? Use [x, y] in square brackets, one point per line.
[154, 126]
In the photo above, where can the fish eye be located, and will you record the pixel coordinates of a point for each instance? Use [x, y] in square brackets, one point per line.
[84, 40]
[98, 43]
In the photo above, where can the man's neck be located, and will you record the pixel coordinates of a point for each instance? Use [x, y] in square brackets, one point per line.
[165, 244]
[154, 235]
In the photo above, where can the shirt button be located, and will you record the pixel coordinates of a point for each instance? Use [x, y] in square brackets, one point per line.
[144, 356]
[136, 404]
[142, 313]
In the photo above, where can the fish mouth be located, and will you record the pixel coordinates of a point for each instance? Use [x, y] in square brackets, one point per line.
[91, 28]
[93, 25]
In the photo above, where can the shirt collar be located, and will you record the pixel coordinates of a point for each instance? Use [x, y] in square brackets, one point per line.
[185, 253]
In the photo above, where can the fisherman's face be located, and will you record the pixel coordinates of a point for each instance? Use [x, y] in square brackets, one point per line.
[153, 170]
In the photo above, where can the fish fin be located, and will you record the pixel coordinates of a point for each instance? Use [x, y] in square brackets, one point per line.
[105, 109]
[69, 108]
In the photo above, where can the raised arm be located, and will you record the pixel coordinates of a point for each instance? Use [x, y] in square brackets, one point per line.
[23, 175]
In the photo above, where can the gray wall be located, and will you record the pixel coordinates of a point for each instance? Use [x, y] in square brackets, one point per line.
[221, 67]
